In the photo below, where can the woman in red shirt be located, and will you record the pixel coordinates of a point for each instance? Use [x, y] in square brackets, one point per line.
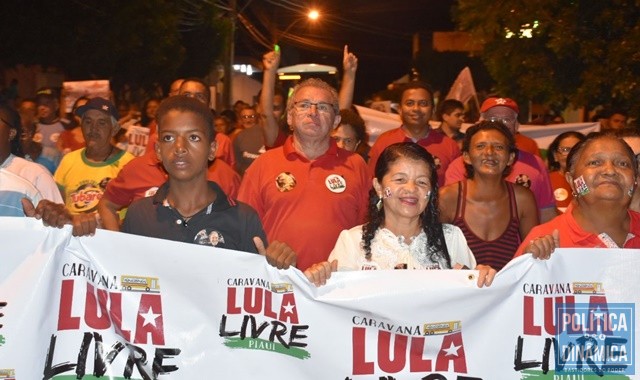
[557, 159]
[602, 172]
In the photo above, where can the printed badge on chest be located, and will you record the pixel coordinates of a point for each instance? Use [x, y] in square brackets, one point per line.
[285, 181]
[335, 183]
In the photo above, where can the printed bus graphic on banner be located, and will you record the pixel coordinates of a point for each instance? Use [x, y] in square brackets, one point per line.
[439, 328]
[281, 287]
[7, 374]
[140, 283]
[588, 288]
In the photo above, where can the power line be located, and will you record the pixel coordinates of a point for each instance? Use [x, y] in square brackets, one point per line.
[341, 21]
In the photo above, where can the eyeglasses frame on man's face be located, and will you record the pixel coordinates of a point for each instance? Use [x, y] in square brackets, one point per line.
[321, 107]
[504, 120]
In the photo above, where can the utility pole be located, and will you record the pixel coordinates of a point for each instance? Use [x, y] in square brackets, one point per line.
[228, 65]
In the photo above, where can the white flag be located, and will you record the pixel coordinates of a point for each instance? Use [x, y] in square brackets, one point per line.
[463, 88]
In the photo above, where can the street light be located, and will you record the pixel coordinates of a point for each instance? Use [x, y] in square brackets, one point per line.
[313, 15]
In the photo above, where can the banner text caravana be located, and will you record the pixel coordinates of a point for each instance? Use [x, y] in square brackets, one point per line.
[122, 326]
[263, 316]
[584, 334]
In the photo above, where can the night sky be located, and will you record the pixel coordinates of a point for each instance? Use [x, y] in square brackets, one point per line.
[378, 32]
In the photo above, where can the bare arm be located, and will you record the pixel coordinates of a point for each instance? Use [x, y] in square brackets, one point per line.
[56, 215]
[527, 210]
[350, 66]
[448, 202]
[271, 61]
[543, 246]
[546, 214]
[278, 254]
[108, 212]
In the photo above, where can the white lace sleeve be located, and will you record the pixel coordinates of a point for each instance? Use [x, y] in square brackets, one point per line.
[459, 251]
[347, 250]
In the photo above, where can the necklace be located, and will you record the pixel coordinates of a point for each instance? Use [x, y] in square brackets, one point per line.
[181, 219]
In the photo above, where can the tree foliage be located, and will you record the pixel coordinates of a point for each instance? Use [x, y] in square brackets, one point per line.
[582, 52]
[138, 42]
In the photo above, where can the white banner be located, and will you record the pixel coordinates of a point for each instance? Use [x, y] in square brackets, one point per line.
[379, 122]
[89, 88]
[120, 306]
[137, 140]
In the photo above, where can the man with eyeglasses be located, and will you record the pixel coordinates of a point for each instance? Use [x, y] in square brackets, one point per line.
[416, 108]
[528, 170]
[308, 190]
[506, 111]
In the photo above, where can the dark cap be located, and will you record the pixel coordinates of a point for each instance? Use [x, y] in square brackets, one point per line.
[100, 104]
[46, 93]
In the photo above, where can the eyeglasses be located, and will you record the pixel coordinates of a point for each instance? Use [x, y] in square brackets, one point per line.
[249, 116]
[305, 106]
[503, 120]
[564, 150]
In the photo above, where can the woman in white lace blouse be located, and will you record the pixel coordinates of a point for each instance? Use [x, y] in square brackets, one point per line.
[403, 229]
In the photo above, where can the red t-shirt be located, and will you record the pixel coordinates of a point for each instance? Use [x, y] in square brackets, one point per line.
[573, 236]
[224, 149]
[527, 144]
[561, 190]
[306, 204]
[443, 149]
[143, 175]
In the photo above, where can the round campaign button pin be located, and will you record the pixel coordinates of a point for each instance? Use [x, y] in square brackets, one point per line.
[335, 183]
[561, 194]
[285, 181]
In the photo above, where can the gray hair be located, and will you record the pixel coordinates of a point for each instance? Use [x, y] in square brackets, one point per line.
[317, 83]
[115, 124]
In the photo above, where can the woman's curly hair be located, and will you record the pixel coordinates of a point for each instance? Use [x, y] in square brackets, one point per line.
[430, 218]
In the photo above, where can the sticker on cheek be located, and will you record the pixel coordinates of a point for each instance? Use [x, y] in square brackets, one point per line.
[386, 193]
[581, 186]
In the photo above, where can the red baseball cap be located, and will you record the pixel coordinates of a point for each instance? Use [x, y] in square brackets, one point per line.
[494, 102]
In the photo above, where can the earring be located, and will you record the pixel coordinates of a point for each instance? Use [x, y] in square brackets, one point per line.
[630, 193]
[379, 204]
[428, 194]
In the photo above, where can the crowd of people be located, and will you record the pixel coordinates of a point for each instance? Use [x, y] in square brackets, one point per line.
[294, 178]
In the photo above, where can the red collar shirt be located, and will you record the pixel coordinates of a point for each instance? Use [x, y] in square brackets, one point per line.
[307, 203]
[443, 149]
